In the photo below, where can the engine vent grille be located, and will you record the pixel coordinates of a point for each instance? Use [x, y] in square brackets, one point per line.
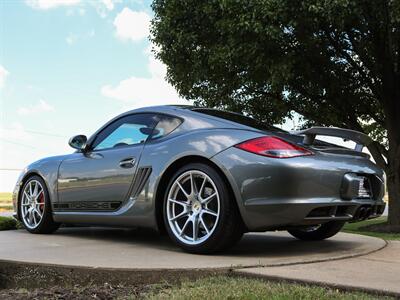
[141, 178]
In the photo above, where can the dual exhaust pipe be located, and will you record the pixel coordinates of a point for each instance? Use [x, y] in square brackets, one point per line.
[362, 213]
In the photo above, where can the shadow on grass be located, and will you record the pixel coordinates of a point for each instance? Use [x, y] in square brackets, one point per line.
[375, 227]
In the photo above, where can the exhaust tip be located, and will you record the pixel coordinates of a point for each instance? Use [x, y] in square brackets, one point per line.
[361, 213]
[368, 212]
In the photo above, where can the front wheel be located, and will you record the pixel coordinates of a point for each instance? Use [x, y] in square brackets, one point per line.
[199, 211]
[318, 232]
[35, 208]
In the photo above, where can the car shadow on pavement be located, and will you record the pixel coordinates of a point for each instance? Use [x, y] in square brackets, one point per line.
[272, 244]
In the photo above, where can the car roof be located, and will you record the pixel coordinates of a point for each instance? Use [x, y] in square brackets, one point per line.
[230, 119]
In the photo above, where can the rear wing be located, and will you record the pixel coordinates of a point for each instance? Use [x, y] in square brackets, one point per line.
[361, 139]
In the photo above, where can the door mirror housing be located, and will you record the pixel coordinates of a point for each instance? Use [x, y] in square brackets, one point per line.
[78, 142]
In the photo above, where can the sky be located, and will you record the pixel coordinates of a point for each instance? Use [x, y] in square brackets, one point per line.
[67, 67]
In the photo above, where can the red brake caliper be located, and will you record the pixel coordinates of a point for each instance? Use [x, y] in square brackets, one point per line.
[41, 201]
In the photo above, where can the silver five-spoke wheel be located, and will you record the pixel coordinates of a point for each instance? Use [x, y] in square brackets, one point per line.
[33, 204]
[193, 207]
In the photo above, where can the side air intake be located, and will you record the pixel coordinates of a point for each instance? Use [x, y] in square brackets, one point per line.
[141, 178]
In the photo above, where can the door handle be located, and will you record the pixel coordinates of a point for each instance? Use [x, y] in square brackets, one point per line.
[127, 162]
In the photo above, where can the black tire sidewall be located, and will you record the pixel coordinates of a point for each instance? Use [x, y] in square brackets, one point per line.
[326, 231]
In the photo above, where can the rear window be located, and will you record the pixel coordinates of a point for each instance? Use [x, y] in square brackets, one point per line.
[237, 118]
[165, 126]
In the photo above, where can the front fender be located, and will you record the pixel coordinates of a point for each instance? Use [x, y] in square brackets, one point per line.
[46, 168]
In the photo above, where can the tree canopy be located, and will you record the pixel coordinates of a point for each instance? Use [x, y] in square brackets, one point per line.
[336, 63]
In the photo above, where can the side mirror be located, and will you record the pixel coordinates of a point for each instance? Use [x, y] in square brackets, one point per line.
[78, 142]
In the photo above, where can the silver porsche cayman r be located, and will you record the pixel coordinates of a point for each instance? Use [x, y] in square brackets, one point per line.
[205, 177]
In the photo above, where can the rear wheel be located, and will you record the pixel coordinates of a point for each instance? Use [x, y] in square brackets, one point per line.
[35, 208]
[199, 212]
[318, 232]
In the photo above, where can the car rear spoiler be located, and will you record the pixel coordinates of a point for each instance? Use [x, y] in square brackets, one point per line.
[361, 139]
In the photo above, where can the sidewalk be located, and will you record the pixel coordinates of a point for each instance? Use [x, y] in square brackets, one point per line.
[377, 272]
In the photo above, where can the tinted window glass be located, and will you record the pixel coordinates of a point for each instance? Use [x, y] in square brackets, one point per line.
[237, 118]
[127, 131]
[166, 125]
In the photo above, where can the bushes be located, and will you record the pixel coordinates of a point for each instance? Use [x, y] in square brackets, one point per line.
[8, 223]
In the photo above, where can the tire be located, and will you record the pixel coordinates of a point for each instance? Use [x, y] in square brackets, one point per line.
[34, 207]
[219, 213]
[321, 232]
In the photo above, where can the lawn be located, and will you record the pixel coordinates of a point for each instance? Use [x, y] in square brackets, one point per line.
[223, 287]
[212, 287]
[360, 228]
[6, 202]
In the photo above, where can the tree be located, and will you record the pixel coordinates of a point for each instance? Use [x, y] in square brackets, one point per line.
[336, 63]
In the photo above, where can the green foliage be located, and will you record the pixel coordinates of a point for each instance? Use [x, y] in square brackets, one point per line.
[8, 223]
[270, 58]
[336, 63]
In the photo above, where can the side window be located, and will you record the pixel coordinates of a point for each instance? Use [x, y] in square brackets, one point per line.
[127, 131]
[165, 125]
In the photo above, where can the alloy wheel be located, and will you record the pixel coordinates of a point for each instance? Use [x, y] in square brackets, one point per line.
[33, 204]
[193, 207]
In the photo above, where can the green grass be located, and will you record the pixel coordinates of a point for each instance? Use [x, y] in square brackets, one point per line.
[8, 223]
[222, 287]
[6, 201]
[358, 228]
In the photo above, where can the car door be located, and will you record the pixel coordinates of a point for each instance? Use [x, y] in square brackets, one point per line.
[100, 177]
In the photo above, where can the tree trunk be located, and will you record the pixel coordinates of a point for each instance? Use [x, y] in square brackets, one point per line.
[393, 185]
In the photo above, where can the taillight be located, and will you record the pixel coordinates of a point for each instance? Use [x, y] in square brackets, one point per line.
[273, 146]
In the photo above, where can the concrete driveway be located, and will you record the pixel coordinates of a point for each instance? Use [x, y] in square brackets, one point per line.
[142, 249]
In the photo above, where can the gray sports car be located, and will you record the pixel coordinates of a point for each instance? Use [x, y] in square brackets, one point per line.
[205, 177]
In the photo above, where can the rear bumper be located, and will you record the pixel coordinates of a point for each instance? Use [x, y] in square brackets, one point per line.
[267, 215]
[276, 193]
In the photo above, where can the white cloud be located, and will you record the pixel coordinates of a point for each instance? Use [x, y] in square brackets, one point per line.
[41, 106]
[3, 74]
[48, 4]
[141, 91]
[108, 4]
[132, 25]
[103, 6]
